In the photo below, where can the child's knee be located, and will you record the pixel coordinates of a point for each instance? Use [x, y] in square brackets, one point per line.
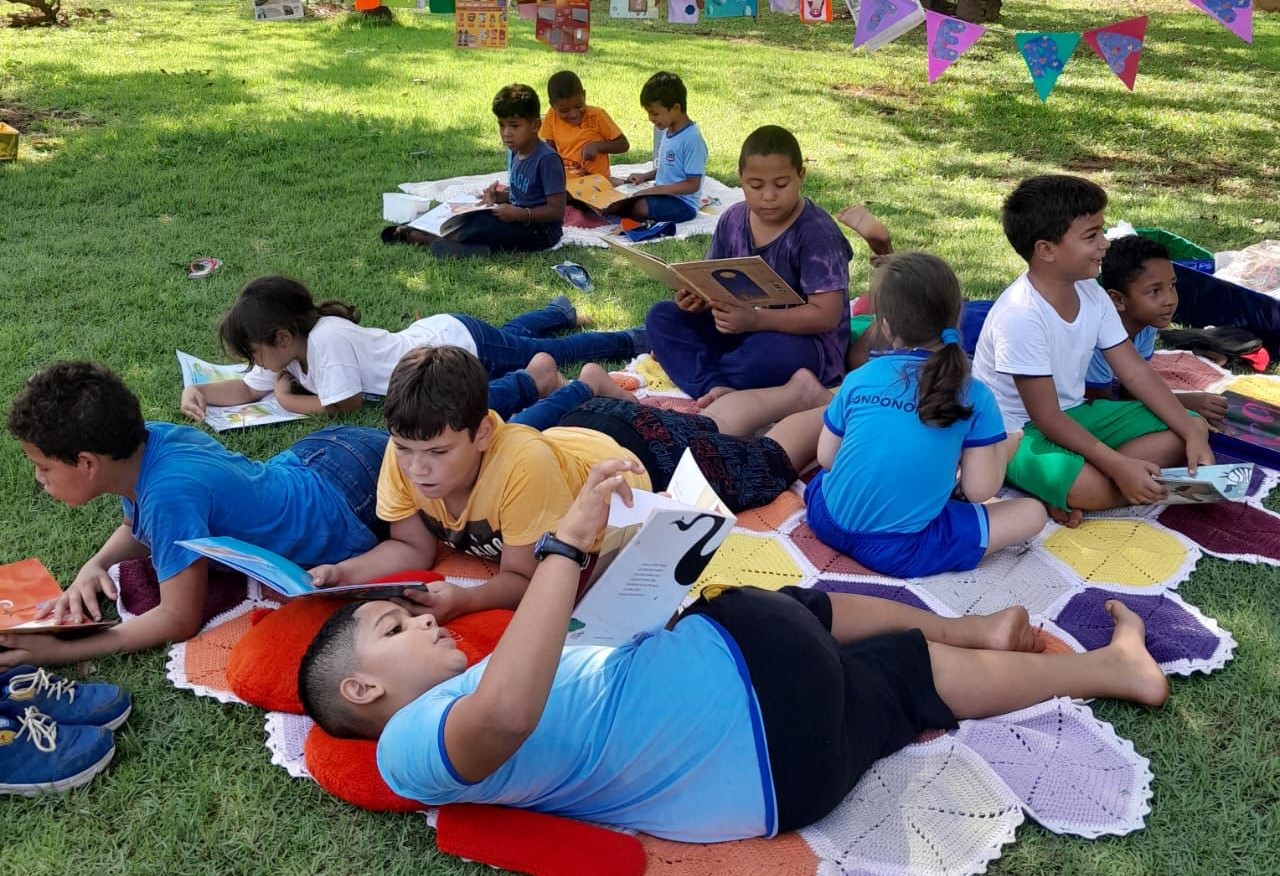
[663, 316]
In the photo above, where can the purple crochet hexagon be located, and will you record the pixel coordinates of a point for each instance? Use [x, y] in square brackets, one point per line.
[870, 588]
[1173, 633]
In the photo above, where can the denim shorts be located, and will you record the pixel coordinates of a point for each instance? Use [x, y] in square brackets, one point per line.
[349, 458]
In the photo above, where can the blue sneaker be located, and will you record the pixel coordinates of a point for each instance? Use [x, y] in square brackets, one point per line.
[64, 700]
[37, 754]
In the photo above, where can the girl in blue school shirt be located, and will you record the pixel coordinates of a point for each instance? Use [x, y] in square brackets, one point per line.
[900, 426]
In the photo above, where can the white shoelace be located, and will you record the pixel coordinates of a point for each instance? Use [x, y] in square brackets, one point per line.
[42, 682]
[40, 729]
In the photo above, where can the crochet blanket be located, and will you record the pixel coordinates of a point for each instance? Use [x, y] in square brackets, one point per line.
[716, 198]
[950, 803]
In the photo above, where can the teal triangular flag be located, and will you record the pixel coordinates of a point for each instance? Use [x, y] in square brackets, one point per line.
[1046, 54]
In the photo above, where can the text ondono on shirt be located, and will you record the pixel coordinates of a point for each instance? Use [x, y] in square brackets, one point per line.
[884, 401]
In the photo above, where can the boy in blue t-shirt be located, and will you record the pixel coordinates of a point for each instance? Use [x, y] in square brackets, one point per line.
[679, 159]
[1138, 275]
[755, 714]
[83, 430]
[528, 215]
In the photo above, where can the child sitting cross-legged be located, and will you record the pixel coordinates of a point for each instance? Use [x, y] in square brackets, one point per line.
[898, 429]
[83, 431]
[1034, 350]
[583, 136]
[290, 339]
[679, 155]
[455, 473]
[1138, 275]
[709, 350]
[527, 216]
[754, 715]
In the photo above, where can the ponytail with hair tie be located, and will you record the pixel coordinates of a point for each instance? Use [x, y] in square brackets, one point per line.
[950, 336]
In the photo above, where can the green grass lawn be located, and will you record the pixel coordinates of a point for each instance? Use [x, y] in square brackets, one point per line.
[182, 129]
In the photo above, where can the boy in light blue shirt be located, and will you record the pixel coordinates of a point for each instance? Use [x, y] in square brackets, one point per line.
[755, 714]
[679, 158]
[1138, 276]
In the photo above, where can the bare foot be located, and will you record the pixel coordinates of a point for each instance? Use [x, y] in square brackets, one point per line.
[602, 384]
[545, 373]
[1006, 630]
[1070, 519]
[1137, 676]
[582, 320]
[713, 394]
[808, 391]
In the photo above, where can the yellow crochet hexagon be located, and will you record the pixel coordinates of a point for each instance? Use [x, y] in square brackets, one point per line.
[1257, 386]
[655, 379]
[1128, 552]
[749, 559]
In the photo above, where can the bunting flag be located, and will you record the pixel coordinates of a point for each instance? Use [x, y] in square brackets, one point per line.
[730, 8]
[947, 39]
[633, 8]
[1120, 45]
[813, 11]
[682, 11]
[883, 21]
[1046, 54]
[1235, 15]
[785, 7]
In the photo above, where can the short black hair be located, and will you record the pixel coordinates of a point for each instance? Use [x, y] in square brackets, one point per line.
[1126, 260]
[771, 140]
[331, 657]
[666, 90]
[434, 388]
[564, 84]
[517, 101]
[78, 407]
[1043, 208]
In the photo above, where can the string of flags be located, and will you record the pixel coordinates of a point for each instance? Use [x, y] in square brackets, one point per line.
[565, 25]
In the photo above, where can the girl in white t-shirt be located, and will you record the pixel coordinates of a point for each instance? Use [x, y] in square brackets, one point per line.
[319, 360]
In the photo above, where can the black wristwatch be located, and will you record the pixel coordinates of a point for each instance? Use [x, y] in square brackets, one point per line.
[549, 544]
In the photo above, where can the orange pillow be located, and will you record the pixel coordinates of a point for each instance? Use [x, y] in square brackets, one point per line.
[263, 666]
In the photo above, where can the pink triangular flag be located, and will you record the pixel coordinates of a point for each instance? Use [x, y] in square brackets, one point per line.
[881, 21]
[946, 39]
[1235, 15]
[1120, 45]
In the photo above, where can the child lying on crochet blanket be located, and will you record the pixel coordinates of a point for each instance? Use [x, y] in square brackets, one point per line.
[755, 714]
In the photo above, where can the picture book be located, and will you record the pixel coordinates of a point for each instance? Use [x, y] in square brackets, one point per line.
[650, 556]
[633, 8]
[24, 587]
[1210, 483]
[448, 216]
[284, 576]
[480, 25]
[1250, 430]
[732, 281]
[813, 11]
[265, 410]
[565, 25]
[598, 194]
[277, 10]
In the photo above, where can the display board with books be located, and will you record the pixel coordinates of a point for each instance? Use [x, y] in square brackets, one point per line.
[480, 24]
[565, 25]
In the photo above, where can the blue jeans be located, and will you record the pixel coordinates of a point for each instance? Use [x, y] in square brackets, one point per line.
[545, 413]
[669, 208]
[349, 458]
[503, 350]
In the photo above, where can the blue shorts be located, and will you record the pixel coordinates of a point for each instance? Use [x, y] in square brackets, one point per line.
[349, 458]
[669, 208]
[955, 540]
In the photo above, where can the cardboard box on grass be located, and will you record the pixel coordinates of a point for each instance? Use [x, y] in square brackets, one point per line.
[8, 142]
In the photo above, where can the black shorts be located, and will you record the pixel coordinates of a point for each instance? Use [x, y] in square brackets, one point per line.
[829, 711]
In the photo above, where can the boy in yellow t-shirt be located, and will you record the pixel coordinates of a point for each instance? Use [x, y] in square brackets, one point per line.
[583, 136]
[453, 472]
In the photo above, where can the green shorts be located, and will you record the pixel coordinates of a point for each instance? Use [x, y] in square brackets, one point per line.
[1047, 471]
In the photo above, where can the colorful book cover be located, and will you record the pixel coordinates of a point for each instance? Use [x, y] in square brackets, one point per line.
[260, 413]
[633, 9]
[565, 25]
[480, 25]
[682, 11]
[731, 9]
[1210, 483]
[25, 586]
[1250, 430]
[277, 10]
[815, 11]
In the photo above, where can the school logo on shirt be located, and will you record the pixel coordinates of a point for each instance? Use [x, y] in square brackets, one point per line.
[670, 156]
[883, 401]
[476, 537]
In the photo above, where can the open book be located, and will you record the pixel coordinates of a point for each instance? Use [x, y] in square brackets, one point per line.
[445, 218]
[651, 554]
[597, 194]
[285, 576]
[1210, 483]
[731, 281]
[24, 587]
[265, 410]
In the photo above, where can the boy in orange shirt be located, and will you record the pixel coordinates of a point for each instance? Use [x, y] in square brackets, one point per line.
[583, 136]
